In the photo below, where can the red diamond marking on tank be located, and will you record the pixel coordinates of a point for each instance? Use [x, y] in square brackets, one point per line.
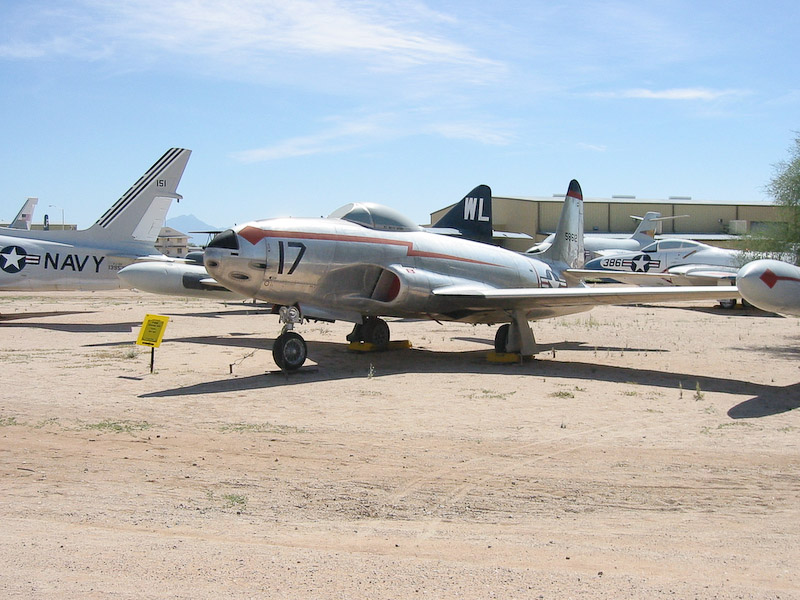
[769, 278]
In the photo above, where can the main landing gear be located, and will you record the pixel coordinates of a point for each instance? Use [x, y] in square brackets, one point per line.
[515, 337]
[373, 331]
[289, 349]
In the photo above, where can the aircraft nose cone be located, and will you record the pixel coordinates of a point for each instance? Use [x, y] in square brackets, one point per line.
[141, 276]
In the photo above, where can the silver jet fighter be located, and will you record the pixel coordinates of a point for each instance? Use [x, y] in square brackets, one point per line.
[89, 259]
[366, 261]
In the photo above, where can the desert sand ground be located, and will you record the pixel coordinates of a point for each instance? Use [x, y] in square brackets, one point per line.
[648, 452]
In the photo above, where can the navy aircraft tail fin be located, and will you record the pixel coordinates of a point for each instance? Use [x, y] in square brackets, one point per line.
[139, 214]
[567, 246]
[470, 218]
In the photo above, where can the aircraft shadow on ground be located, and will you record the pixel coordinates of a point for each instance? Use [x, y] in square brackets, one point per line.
[750, 311]
[791, 351]
[41, 315]
[243, 310]
[563, 346]
[80, 327]
[335, 363]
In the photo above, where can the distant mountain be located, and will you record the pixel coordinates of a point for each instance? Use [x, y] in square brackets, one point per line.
[187, 223]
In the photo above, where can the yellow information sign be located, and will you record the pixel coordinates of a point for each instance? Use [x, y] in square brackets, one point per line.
[152, 331]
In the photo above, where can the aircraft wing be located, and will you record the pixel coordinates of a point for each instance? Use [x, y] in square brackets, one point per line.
[482, 298]
[635, 278]
[704, 273]
[444, 230]
[510, 235]
[497, 235]
[685, 275]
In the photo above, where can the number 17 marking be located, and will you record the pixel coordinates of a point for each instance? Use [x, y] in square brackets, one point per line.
[282, 255]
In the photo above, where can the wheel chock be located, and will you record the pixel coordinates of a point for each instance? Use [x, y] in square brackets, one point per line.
[503, 357]
[367, 347]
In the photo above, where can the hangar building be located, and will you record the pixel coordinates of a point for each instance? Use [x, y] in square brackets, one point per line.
[717, 223]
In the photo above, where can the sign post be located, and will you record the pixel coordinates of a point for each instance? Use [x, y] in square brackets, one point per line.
[151, 334]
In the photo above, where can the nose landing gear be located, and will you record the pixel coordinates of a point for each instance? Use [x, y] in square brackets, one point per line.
[289, 349]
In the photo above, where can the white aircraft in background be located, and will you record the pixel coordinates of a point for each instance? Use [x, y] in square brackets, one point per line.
[366, 261]
[771, 285]
[89, 259]
[685, 262]
[25, 215]
[594, 245]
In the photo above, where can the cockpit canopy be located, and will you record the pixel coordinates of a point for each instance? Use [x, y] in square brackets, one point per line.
[662, 245]
[374, 216]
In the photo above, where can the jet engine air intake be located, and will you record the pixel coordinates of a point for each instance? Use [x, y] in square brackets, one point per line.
[387, 287]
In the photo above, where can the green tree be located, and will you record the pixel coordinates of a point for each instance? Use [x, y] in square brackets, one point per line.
[783, 237]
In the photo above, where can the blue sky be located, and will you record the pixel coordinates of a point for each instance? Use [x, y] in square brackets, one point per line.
[296, 107]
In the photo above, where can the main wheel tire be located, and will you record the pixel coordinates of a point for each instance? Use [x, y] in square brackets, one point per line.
[376, 332]
[501, 339]
[728, 304]
[357, 334]
[289, 351]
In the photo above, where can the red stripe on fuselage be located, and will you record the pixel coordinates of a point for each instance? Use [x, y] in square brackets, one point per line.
[255, 235]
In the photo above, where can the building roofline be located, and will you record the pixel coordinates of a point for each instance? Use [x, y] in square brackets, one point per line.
[678, 200]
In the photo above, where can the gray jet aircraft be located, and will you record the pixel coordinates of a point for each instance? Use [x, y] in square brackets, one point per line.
[89, 259]
[366, 261]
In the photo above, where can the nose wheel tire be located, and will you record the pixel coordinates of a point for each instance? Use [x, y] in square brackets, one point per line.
[289, 351]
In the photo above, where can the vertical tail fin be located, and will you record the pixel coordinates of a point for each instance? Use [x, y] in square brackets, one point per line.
[649, 226]
[472, 217]
[139, 214]
[25, 215]
[567, 244]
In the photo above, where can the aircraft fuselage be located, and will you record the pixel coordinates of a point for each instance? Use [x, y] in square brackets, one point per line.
[31, 264]
[348, 270]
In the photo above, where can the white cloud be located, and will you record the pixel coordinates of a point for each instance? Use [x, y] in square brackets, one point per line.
[704, 94]
[244, 31]
[592, 147]
[344, 135]
[359, 132]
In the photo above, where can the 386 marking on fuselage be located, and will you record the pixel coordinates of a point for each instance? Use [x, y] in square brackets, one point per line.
[639, 264]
